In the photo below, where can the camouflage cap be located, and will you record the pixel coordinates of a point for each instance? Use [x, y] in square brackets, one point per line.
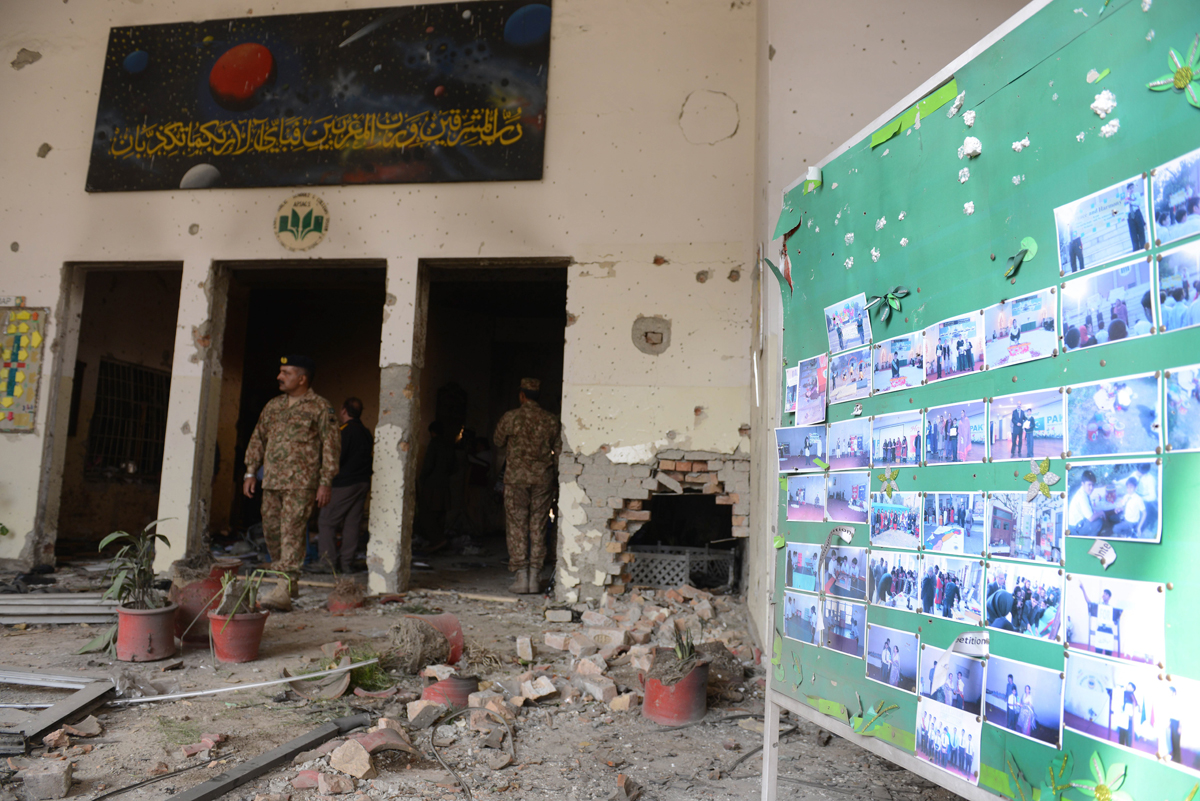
[531, 384]
[297, 360]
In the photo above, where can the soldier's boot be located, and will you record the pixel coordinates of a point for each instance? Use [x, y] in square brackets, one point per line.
[277, 600]
[535, 580]
[520, 585]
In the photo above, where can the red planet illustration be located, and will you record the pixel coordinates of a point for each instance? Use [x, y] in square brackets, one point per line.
[240, 75]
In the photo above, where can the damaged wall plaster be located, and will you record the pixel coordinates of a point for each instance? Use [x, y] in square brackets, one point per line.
[392, 486]
[708, 117]
[651, 334]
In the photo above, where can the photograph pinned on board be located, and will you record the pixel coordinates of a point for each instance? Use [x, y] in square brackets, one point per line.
[806, 498]
[1028, 531]
[954, 347]
[1117, 618]
[847, 497]
[810, 392]
[952, 588]
[1115, 416]
[801, 449]
[1107, 306]
[894, 580]
[1025, 699]
[844, 626]
[1177, 198]
[1179, 287]
[791, 386]
[959, 682]
[802, 566]
[1025, 599]
[1102, 227]
[954, 522]
[850, 376]
[948, 738]
[850, 444]
[896, 439]
[1127, 706]
[898, 363]
[1183, 408]
[956, 433]
[848, 323]
[892, 657]
[896, 521]
[1021, 330]
[1028, 425]
[1114, 500]
[845, 574]
[1179, 744]
[801, 617]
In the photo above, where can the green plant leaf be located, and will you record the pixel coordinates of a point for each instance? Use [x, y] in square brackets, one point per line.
[103, 641]
[110, 539]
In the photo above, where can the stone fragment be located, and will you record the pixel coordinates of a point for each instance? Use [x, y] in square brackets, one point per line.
[422, 714]
[444, 736]
[333, 784]
[500, 708]
[558, 615]
[439, 672]
[623, 702]
[385, 740]
[601, 688]
[478, 700]
[627, 789]
[47, 779]
[273, 797]
[582, 645]
[593, 665]
[352, 757]
[499, 760]
[557, 640]
[305, 780]
[596, 619]
[88, 727]
[704, 610]
[538, 688]
[525, 649]
[56, 739]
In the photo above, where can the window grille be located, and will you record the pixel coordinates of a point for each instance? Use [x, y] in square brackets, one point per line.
[129, 423]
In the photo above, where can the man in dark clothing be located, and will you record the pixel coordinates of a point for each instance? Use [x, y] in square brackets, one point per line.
[949, 595]
[349, 492]
[928, 591]
[1018, 428]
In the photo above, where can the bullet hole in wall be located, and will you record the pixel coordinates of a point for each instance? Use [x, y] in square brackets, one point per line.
[193, 229]
[734, 275]
[651, 335]
[702, 276]
[44, 150]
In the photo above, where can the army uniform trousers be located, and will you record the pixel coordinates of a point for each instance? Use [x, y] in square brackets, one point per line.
[526, 509]
[285, 514]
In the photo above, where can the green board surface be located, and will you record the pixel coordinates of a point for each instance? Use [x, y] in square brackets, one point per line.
[1032, 83]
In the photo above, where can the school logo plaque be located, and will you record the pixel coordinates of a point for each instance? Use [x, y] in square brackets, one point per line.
[301, 222]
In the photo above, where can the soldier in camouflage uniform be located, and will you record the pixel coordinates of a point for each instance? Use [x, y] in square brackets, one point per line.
[533, 438]
[298, 444]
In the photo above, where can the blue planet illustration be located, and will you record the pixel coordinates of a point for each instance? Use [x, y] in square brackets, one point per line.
[136, 61]
[528, 26]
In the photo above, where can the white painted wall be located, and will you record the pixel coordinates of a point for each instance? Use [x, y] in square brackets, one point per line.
[630, 174]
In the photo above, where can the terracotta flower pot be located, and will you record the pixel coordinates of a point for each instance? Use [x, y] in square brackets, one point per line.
[454, 691]
[448, 625]
[145, 635]
[685, 701]
[194, 601]
[236, 637]
[340, 605]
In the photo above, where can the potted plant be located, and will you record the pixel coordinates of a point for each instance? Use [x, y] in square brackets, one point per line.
[145, 629]
[677, 687]
[237, 625]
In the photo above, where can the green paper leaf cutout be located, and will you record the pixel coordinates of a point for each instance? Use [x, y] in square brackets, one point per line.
[1097, 767]
[1114, 777]
[1031, 246]
[900, 292]
[819, 463]
[1192, 795]
[1044, 467]
[1121, 795]
[1163, 83]
[1174, 60]
[885, 313]
[895, 304]
[1085, 787]
[1023, 791]
[1031, 477]
[780, 542]
[778, 275]
[777, 659]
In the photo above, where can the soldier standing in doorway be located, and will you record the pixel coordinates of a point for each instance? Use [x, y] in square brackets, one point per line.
[533, 438]
[298, 444]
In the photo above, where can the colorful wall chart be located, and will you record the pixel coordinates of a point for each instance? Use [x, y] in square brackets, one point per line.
[22, 346]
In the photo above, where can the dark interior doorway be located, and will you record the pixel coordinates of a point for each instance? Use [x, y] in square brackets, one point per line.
[486, 326]
[329, 311]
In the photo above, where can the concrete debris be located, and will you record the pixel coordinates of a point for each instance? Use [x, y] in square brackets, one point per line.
[305, 780]
[444, 736]
[525, 649]
[88, 727]
[47, 779]
[56, 739]
[558, 615]
[422, 714]
[499, 761]
[273, 797]
[333, 784]
[537, 689]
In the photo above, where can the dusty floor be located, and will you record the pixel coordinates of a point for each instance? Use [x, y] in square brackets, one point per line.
[573, 750]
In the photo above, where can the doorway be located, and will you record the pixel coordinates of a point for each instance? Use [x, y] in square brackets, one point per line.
[482, 326]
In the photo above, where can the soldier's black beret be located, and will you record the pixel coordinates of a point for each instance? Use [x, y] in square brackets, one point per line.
[298, 360]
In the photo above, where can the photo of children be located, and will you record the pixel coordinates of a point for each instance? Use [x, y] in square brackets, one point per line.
[1021, 330]
[896, 521]
[806, 498]
[844, 622]
[800, 447]
[801, 617]
[1177, 198]
[898, 363]
[894, 580]
[954, 522]
[1107, 306]
[848, 323]
[1120, 415]
[1116, 618]
[1179, 287]
[896, 439]
[954, 347]
[952, 588]
[1123, 705]
[1102, 227]
[951, 679]
[850, 444]
[892, 657]
[802, 565]
[956, 433]
[1183, 408]
[845, 573]
[948, 738]
[850, 376]
[1114, 500]
[1031, 532]
[1025, 699]
[847, 497]
[1028, 425]
[810, 394]
[1025, 599]
[791, 384]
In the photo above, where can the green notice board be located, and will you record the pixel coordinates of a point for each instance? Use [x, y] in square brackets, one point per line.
[1107, 212]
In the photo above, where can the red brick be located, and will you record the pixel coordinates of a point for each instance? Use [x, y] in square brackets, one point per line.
[699, 467]
[626, 558]
[734, 497]
[675, 474]
[635, 514]
[666, 464]
[683, 467]
[617, 525]
[622, 536]
[616, 589]
[613, 547]
[633, 504]
[739, 520]
[724, 500]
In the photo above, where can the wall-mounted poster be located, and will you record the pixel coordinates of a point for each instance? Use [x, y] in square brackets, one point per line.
[1022, 329]
[1025, 599]
[892, 657]
[845, 573]
[896, 439]
[954, 522]
[1177, 198]
[412, 94]
[847, 502]
[956, 433]
[894, 580]
[845, 626]
[962, 685]
[954, 347]
[848, 323]
[1102, 227]
[850, 444]
[1116, 416]
[802, 567]
[896, 520]
[1179, 287]
[801, 617]
[952, 588]
[1183, 408]
[898, 363]
[1118, 704]
[791, 385]
[806, 498]
[1025, 699]
[800, 447]
[1116, 618]
[23, 344]
[1028, 425]
[1031, 531]
[1107, 306]
[810, 395]
[1114, 500]
[949, 738]
[850, 376]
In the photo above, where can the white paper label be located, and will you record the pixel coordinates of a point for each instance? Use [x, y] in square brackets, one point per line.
[973, 644]
[1104, 552]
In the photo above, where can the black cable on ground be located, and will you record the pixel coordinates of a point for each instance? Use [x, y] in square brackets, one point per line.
[151, 780]
[512, 743]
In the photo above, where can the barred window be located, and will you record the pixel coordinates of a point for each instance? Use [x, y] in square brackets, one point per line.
[129, 423]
